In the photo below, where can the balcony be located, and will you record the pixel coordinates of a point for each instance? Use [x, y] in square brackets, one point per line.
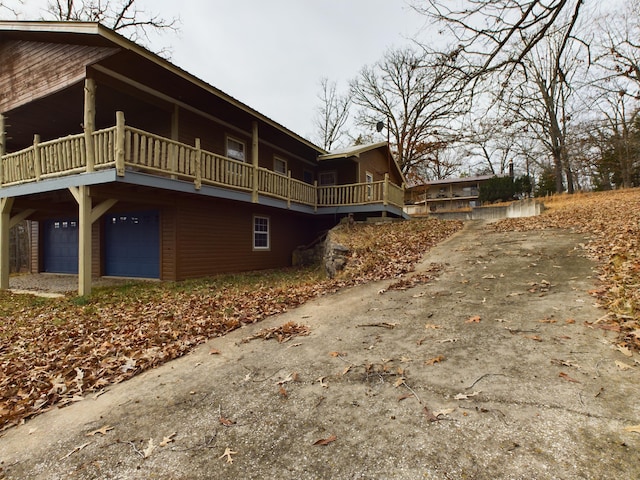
[128, 149]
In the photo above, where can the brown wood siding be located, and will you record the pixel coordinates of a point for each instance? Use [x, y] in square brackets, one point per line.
[35, 254]
[168, 243]
[96, 243]
[377, 163]
[32, 70]
[216, 236]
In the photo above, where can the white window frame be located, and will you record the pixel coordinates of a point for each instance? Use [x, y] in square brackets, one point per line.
[369, 181]
[282, 162]
[228, 151]
[323, 183]
[266, 232]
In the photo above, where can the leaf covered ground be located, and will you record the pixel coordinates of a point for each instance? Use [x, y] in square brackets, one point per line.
[611, 220]
[57, 351]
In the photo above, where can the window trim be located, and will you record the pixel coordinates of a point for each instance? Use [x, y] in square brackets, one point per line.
[276, 159]
[369, 181]
[241, 142]
[333, 173]
[260, 248]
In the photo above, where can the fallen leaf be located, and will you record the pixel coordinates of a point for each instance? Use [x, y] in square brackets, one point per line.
[399, 382]
[623, 366]
[434, 360]
[624, 350]
[633, 429]
[102, 431]
[149, 450]
[326, 441]
[77, 449]
[570, 321]
[547, 320]
[466, 396]
[346, 370]
[430, 416]
[167, 440]
[321, 381]
[337, 354]
[568, 378]
[227, 453]
[444, 411]
[474, 319]
[226, 422]
[405, 396]
[533, 337]
[282, 392]
[214, 351]
[432, 326]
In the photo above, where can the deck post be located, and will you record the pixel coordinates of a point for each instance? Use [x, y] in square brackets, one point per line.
[175, 136]
[197, 165]
[315, 189]
[289, 189]
[3, 148]
[254, 161]
[120, 141]
[37, 158]
[385, 190]
[84, 240]
[89, 121]
[5, 218]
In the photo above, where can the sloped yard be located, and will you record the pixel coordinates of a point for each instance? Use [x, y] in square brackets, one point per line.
[58, 351]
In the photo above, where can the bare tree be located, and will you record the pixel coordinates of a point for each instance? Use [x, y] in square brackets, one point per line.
[122, 16]
[500, 34]
[332, 115]
[416, 95]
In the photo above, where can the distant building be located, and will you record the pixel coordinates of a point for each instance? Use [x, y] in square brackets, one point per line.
[444, 195]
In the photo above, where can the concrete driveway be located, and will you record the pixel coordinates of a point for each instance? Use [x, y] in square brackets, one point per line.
[487, 372]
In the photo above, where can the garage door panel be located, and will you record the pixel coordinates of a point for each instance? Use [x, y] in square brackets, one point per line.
[60, 249]
[132, 244]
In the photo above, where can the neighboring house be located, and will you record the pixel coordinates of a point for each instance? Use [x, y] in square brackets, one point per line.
[127, 165]
[447, 194]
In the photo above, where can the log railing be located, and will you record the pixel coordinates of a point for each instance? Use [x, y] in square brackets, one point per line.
[131, 149]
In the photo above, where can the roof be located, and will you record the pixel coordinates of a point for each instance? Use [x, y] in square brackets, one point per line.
[353, 151]
[449, 181]
[357, 150]
[95, 33]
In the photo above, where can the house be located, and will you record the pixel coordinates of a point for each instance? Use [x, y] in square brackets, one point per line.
[127, 165]
[447, 194]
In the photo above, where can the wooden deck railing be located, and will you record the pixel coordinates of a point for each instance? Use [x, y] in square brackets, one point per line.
[130, 149]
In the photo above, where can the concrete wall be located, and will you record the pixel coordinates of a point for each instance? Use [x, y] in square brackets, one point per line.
[522, 208]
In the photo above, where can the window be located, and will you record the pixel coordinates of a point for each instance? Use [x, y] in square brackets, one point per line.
[327, 178]
[235, 149]
[260, 233]
[369, 180]
[307, 177]
[279, 165]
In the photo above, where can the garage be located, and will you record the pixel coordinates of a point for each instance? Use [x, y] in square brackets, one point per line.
[60, 251]
[132, 244]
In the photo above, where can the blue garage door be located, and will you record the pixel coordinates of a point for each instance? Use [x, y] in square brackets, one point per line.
[60, 249]
[132, 244]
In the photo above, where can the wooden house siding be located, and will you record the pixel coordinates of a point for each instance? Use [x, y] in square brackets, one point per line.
[35, 254]
[96, 247]
[32, 70]
[377, 163]
[168, 245]
[216, 236]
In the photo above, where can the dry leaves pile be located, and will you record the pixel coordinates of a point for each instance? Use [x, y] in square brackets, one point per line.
[57, 351]
[612, 222]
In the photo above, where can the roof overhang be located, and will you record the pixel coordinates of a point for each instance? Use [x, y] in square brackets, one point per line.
[95, 33]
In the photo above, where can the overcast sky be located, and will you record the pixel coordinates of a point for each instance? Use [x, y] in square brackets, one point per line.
[271, 54]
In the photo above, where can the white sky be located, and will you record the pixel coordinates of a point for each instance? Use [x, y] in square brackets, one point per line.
[271, 54]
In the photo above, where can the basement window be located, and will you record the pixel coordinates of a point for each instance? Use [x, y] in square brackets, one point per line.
[261, 233]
